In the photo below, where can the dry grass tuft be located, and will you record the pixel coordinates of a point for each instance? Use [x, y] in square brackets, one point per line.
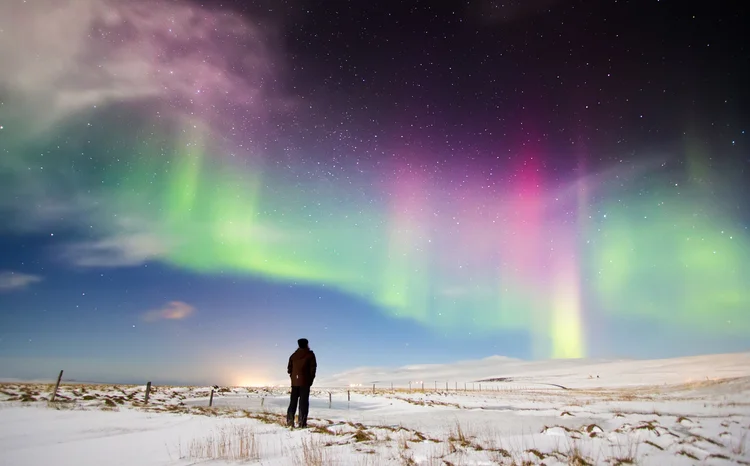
[231, 443]
[626, 454]
[684, 452]
[649, 442]
[312, 453]
[64, 405]
[268, 418]
[593, 430]
[688, 454]
[459, 436]
[537, 453]
[405, 456]
[739, 448]
[362, 435]
[706, 439]
[323, 430]
[575, 456]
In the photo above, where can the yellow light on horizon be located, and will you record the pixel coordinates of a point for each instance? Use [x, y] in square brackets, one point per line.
[246, 378]
[251, 382]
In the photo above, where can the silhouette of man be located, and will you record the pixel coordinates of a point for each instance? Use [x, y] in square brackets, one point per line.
[301, 368]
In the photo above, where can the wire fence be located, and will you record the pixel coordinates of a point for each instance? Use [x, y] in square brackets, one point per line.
[446, 387]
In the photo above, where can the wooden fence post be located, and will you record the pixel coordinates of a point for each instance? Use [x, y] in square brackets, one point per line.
[348, 395]
[423, 386]
[329, 399]
[57, 385]
[148, 392]
[391, 386]
[446, 385]
[373, 388]
[211, 400]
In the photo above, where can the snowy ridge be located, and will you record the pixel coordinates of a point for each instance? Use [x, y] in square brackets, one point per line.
[573, 373]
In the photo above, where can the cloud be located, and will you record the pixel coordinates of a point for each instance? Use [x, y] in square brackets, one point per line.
[123, 250]
[11, 281]
[174, 310]
[82, 54]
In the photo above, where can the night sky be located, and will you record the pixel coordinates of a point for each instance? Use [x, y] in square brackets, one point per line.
[187, 188]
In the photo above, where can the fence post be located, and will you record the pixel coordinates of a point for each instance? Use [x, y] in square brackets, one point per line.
[148, 392]
[211, 400]
[348, 395]
[480, 387]
[391, 386]
[410, 385]
[373, 388]
[464, 386]
[262, 401]
[446, 385]
[57, 385]
[422, 386]
[329, 399]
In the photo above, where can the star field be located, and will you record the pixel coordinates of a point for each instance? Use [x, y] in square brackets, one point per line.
[191, 182]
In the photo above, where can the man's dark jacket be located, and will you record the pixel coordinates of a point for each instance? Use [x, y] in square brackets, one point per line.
[301, 368]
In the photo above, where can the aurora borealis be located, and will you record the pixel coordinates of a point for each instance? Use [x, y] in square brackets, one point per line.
[209, 180]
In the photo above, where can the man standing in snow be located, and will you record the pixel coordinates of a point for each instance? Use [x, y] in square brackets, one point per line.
[301, 368]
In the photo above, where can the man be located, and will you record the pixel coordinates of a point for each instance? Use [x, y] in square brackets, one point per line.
[301, 368]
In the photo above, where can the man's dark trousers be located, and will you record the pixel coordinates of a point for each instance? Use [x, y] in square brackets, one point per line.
[303, 393]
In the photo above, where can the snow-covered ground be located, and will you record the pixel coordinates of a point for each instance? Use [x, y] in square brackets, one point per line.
[676, 411]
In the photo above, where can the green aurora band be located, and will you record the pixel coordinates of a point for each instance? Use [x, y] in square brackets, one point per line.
[666, 256]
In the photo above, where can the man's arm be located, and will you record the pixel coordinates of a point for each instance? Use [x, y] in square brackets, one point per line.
[313, 367]
[289, 366]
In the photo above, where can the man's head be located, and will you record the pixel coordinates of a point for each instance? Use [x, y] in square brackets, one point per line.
[302, 342]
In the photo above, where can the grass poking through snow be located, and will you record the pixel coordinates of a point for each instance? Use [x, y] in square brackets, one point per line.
[231, 443]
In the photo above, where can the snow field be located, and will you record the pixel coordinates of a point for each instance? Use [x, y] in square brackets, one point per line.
[618, 422]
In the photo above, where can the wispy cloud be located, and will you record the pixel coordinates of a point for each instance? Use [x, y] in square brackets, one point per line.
[11, 281]
[81, 54]
[174, 310]
[122, 250]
